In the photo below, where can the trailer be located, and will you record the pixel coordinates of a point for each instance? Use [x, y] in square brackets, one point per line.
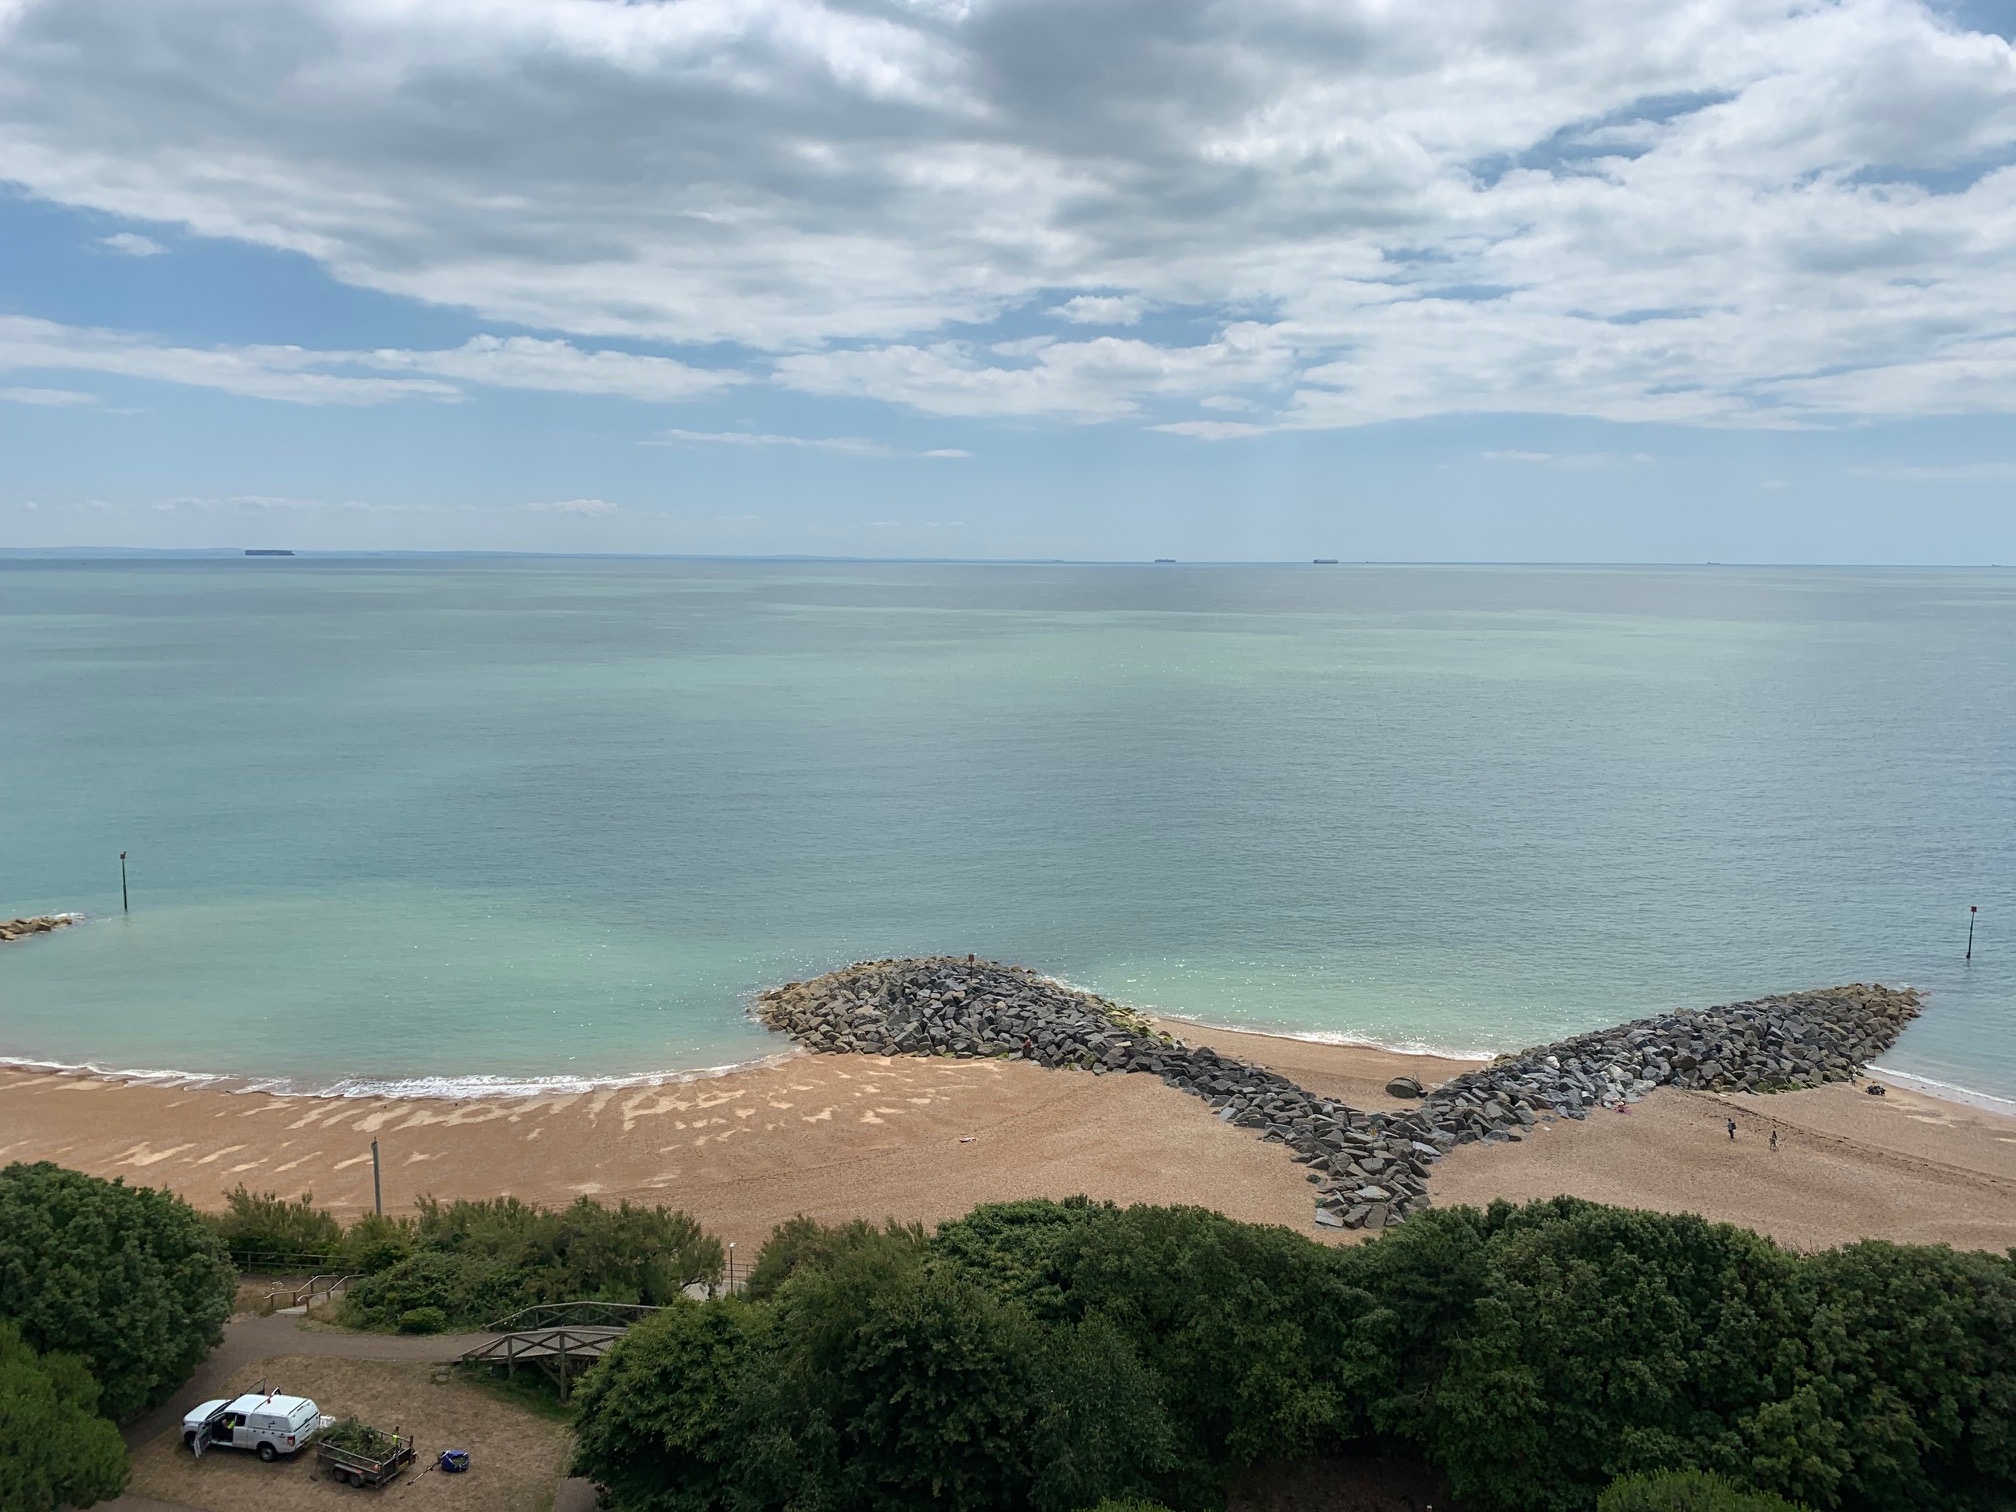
[354, 1468]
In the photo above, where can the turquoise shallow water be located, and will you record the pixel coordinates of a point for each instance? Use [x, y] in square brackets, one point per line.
[425, 821]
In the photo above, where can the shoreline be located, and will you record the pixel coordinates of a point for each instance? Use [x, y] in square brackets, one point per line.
[398, 1089]
[481, 1086]
[1925, 1086]
[838, 1137]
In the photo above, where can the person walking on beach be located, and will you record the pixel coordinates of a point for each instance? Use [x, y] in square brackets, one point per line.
[1732, 1131]
[1774, 1139]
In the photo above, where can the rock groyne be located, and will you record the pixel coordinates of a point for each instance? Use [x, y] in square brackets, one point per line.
[1370, 1168]
[20, 929]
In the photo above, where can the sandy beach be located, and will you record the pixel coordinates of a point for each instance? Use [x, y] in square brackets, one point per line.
[863, 1136]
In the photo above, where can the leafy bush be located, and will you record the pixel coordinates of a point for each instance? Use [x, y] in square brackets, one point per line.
[374, 1243]
[466, 1290]
[263, 1230]
[422, 1320]
[1687, 1491]
[477, 1261]
[801, 1241]
[55, 1450]
[129, 1278]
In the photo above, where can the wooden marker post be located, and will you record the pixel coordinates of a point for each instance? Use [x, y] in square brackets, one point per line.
[1972, 910]
[377, 1191]
[124, 905]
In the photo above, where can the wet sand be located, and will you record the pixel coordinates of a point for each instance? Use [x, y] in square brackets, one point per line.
[861, 1136]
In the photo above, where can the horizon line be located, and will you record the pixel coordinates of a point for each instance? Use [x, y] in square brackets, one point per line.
[239, 553]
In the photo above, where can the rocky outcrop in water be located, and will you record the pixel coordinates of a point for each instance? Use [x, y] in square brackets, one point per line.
[20, 929]
[1370, 1169]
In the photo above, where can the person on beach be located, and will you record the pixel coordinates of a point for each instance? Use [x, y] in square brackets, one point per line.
[1732, 1131]
[1774, 1139]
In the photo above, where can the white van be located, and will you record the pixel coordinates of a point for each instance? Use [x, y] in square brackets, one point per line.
[267, 1423]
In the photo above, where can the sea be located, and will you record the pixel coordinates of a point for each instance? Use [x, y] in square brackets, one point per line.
[471, 825]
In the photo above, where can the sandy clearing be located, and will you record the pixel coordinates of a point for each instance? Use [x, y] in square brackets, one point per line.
[515, 1456]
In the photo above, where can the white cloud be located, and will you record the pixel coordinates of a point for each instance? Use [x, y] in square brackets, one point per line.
[583, 507]
[1099, 379]
[1717, 212]
[53, 397]
[132, 244]
[526, 362]
[265, 372]
[300, 374]
[1103, 309]
[266, 504]
[1574, 460]
[1213, 430]
[854, 446]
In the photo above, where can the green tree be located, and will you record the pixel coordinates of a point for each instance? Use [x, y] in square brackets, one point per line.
[129, 1278]
[1100, 1432]
[477, 1261]
[1252, 1330]
[1905, 1387]
[1688, 1491]
[873, 1380]
[803, 1242]
[54, 1448]
[1423, 1281]
[659, 1423]
[1606, 1342]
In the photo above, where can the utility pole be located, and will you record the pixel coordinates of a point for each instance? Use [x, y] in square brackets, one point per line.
[1971, 911]
[377, 1191]
[124, 905]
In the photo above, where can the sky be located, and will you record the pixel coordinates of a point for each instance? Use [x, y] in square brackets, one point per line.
[1471, 280]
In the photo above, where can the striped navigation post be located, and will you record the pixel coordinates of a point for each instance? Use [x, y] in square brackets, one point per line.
[124, 905]
[1972, 910]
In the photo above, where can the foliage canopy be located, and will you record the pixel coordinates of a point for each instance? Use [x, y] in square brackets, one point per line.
[55, 1450]
[473, 1262]
[128, 1278]
[1051, 1356]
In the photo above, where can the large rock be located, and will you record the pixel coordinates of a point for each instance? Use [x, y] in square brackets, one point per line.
[20, 929]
